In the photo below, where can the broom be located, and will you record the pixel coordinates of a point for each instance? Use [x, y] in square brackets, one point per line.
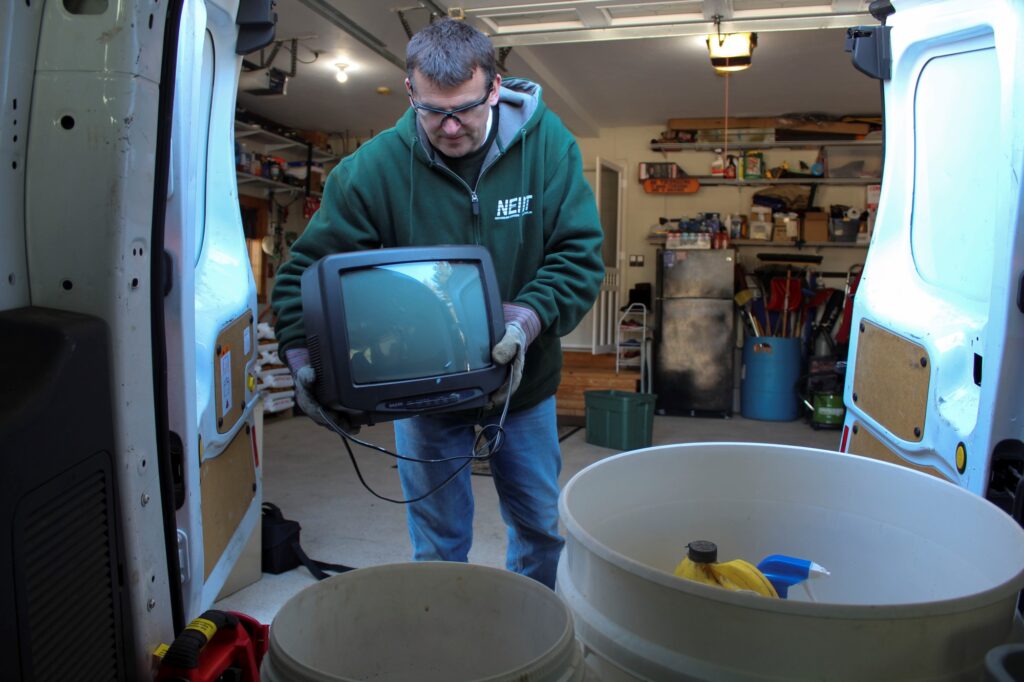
[743, 299]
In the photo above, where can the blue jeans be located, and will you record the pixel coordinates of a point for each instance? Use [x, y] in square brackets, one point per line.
[525, 474]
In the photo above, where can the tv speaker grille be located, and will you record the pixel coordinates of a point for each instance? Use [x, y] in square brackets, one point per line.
[313, 344]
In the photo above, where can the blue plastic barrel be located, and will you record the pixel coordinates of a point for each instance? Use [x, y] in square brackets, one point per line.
[771, 369]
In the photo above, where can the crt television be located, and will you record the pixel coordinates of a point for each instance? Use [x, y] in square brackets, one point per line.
[402, 331]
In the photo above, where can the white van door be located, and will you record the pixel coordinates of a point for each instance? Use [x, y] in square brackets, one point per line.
[210, 313]
[130, 478]
[938, 321]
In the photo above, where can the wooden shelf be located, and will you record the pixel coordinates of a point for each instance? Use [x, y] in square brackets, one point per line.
[763, 243]
[743, 146]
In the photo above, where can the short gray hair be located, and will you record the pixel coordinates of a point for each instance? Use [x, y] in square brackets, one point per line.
[448, 51]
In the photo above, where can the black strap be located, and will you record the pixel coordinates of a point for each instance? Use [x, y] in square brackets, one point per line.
[316, 567]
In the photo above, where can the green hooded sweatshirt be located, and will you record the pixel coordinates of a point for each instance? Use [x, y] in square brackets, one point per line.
[531, 208]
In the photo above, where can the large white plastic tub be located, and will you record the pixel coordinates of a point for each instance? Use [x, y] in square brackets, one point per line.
[428, 621]
[924, 580]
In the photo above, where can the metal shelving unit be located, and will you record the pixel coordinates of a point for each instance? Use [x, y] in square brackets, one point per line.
[274, 143]
[273, 185]
[633, 334]
[709, 181]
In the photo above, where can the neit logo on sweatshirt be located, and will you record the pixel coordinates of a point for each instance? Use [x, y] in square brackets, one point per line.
[513, 208]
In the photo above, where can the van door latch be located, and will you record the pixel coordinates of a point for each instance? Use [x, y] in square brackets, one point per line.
[1020, 293]
[871, 50]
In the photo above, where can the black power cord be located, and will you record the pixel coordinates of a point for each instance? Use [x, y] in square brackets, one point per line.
[482, 451]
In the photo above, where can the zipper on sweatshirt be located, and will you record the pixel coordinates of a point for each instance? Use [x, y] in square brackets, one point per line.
[474, 198]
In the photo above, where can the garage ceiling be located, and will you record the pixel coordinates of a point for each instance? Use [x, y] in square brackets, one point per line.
[602, 63]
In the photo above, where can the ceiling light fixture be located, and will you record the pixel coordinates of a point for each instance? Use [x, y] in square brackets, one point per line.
[342, 75]
[730, 51]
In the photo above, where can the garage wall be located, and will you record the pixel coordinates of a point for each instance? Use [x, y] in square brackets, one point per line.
[630, 146]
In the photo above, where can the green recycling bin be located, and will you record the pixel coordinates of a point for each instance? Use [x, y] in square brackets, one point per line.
[619, 419]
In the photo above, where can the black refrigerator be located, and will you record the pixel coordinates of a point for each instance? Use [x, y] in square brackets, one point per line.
[694, 333]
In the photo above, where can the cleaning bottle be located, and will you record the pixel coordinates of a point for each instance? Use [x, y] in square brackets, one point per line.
[700, 565]
[718, 165]
[730, 168]
[786, 571]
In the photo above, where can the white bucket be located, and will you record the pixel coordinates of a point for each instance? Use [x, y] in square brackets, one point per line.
[429, 621]
[924, 575]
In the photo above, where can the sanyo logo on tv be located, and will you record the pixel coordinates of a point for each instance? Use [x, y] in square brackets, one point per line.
[513, 208]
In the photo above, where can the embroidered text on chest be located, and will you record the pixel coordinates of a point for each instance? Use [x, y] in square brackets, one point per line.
[514, 207]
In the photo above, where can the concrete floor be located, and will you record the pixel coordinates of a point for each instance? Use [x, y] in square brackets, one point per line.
[307, 473]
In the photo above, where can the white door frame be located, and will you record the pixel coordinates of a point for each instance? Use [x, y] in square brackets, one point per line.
[605, 314]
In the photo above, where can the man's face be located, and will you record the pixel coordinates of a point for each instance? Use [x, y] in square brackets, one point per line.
[453, 130]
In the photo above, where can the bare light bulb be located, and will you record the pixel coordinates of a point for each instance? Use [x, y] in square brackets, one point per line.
[341, 76]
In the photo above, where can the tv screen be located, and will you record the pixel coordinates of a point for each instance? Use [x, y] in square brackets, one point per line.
[395, 332]
[393, 309]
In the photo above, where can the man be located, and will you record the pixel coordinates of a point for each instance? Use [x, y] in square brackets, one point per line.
[475, 160]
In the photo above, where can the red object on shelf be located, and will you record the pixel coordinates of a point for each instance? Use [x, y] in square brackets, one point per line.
[310, 206]
[242, 647]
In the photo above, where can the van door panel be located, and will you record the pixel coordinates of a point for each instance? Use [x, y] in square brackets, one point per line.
[947, 250]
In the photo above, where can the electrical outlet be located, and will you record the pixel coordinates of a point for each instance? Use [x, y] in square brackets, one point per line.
[636, 261]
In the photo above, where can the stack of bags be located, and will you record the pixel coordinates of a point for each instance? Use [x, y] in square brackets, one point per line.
[274, 380]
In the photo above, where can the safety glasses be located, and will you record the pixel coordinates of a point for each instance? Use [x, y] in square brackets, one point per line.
[437, 117]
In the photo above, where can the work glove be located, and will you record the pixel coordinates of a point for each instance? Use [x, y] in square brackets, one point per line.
[304, 377]
[511, 349]
[521, 327]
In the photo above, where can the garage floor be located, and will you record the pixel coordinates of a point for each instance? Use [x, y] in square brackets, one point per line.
[306, 472]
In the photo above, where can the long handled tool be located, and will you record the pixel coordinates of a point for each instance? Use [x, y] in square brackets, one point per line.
[785, 307]
[743, 299]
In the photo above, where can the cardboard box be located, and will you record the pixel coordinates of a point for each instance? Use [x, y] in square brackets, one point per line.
[758, 229]
[815, 226]
[787, 227]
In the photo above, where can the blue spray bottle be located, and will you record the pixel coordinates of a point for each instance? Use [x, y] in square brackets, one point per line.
[784, 571]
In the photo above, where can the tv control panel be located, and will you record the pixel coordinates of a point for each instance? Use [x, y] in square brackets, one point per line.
[431, 402]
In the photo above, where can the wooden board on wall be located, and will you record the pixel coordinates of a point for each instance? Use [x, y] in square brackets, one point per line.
[891, 381]
[583, 372]
[255, 220]
[671, 185]
[236, 345]
[865, 444]
[257, 209]
[849, 128]
[228, 485]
